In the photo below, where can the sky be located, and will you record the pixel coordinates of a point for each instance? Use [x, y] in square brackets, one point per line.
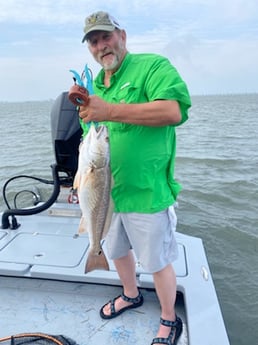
[212, 43]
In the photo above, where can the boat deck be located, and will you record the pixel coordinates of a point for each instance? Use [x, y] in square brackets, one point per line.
[43, 287]
[72, 309]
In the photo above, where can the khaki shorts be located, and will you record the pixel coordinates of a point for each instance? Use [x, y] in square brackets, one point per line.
[151, 236]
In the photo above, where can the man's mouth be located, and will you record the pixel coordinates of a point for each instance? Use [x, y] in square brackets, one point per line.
[105, 55]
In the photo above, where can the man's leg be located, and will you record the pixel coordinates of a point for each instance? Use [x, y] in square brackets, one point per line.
[125, 267]
[165, 284]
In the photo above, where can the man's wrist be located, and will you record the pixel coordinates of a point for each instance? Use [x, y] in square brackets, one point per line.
[110, 112]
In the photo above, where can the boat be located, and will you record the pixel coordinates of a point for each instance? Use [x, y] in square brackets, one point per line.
[43, 286]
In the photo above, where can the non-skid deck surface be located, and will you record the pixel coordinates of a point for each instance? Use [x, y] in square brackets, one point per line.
[72, 309]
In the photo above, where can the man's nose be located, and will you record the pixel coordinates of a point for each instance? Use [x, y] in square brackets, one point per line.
[101, 45]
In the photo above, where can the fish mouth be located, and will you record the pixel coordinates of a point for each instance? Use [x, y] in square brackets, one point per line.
[100, 130]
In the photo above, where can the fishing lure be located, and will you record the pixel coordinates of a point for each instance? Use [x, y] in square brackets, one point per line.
[82, 88]
[80, 91]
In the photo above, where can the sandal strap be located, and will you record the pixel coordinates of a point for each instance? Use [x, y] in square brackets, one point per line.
[165, 341]
[126, 299]
[169, 323]
[112, 306]
[132, 300]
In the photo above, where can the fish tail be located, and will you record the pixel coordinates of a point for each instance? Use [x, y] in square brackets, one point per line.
[82, 226]
[96, 262]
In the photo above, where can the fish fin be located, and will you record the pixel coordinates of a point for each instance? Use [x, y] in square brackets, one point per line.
[76, 181]
[96, 262]
[82, 225]
[86, 179]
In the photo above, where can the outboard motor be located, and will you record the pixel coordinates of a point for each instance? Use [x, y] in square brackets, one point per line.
[66, 134]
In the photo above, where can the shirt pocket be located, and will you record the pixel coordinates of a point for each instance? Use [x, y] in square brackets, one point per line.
[127, 94]
[130, 94]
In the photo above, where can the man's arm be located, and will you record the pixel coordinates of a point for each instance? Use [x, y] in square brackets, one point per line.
[157, 113]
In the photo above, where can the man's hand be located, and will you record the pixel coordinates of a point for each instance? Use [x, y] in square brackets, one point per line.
[96, 110]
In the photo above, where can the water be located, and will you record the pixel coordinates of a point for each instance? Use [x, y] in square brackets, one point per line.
[217, 164]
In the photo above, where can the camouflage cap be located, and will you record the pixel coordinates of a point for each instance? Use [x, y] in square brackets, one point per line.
[99, 21]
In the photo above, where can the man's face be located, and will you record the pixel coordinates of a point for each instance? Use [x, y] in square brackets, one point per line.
[108, 48]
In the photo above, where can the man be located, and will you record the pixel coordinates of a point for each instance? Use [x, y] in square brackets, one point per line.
[141, 98]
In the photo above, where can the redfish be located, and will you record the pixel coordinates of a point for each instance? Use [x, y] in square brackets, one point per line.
[93, 184]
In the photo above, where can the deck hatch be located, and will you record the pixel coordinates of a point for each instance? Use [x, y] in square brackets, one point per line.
[45, 249]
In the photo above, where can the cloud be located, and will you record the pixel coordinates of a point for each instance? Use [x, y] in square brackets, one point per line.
[213, 44]
[38, 11]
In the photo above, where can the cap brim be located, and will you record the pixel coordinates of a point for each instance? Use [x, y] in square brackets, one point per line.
[98, 28]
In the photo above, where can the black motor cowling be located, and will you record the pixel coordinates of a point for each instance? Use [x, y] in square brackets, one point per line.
[66, 134]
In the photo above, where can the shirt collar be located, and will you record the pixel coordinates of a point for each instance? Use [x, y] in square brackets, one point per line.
[100, 77]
